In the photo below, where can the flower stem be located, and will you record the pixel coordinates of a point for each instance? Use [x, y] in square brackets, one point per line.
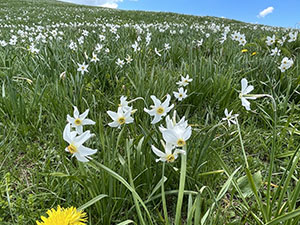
[163, 197]
[272, 158]
[181, 187]
[242, 144]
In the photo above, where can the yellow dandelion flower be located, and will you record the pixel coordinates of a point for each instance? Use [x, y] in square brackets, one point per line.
[254, 53]
[245, 50]
[61, 216]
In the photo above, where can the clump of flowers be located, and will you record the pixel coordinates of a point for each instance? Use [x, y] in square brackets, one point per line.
[175, 136]
[286, 63]
[63, 216]
[123, 114]
[77, 138]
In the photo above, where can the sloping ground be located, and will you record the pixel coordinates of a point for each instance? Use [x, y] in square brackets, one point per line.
[45, 44]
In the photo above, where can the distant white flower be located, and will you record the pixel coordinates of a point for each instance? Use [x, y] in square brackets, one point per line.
[275, 51]
[3, 43]
[33, 49]
[167, 46]
[167, 156]
[181, 94]
[120, 62]
[244, 93]
[128, 59]
[75, 146]
[94, 58]
[120, 117]
[198, 43]
[282, 40]
[159, 109]
[229, 117]
[98, 47]
[184, 81]
[293, 36]
[73, 45]
[82, 68]
[101, 37]
[270, 40]
[78, 121]
[135, 46]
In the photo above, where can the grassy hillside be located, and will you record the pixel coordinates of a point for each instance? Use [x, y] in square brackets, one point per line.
[43, 47]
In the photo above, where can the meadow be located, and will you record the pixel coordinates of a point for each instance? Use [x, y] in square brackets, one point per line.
[146, 118]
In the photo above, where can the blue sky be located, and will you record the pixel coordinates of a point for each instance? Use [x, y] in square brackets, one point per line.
[285, 13]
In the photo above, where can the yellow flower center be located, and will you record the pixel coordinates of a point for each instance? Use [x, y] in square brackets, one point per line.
[180, 142]
[180, 95]
[72, 148]
[160, 110]
[121, 120]
[82, 67]
[170, 158]
[78, 122]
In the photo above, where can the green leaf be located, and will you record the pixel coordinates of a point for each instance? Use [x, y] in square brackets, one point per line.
[91, 202]
[284, 217]
[245, 186]
[126, 222]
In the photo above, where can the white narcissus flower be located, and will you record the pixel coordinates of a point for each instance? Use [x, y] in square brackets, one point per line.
[124, 105]
[167, 156]
[293, 36]
[229, 117]
[94, 58]
[184, 81]
[159, 109]
[120, 117]
[82, 68]
[286, 63]
[270, 40]
[176, 133]
[75, 146]
[244, 93]
[275, 51]
[120, 62]
[78, 121]
[181, 94]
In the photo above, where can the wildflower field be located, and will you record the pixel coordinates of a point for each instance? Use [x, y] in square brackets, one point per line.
[129, 117]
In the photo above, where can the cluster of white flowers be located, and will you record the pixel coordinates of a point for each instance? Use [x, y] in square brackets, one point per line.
[181, 94]
[175, 136]
[237, 36]
[123, 114]
[74, 135]
[286, 63]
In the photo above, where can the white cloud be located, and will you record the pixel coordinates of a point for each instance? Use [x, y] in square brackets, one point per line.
[103, 3]
[111, 5]
[265, 12]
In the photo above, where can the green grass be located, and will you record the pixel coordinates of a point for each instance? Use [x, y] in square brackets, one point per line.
[36, 173]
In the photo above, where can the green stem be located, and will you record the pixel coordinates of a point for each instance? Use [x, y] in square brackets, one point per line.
[138, 209]
[242, 144]
[163, 197]
[272, 158]
[181, 188]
